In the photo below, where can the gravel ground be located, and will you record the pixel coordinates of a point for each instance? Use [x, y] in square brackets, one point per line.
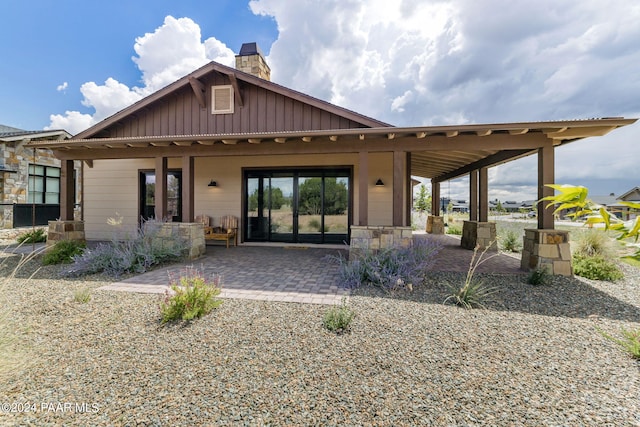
[533, 357]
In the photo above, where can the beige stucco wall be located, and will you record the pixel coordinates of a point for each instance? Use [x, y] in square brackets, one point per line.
[111, 187]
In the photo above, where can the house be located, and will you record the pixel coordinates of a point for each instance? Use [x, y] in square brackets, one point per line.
[30, 177]
[613, 205]
[293, 168]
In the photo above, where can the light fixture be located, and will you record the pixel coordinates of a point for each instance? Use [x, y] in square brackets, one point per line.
[213, 184]
[379, 183]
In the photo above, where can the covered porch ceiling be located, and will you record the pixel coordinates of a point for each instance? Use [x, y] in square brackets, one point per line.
[437, 152]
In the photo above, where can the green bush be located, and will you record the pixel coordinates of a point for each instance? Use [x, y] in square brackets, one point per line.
[594, 242]
[473, 293]
[510, 241]
[193, 297]
[629, 342]
[538, 277]
[63, 252]
[82, 296]
[338, 318]
[596, 268]
[454, 229]
[38, 235]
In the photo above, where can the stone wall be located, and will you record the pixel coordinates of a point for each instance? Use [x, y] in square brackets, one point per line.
[14, 185]
[548, 250]
[435, 224]
[193, 232]
[479, 234]
[366, 239]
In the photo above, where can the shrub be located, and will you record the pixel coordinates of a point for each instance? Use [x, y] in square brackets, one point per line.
[38, 235]
[193, 296]
[538, 277]
[82, 296]
[510, 241]
[133, 255]
[596, 268]
[338, 318]
[390, 269]
[63, 252]
[629, 342]
[594, 242]
[473, 293]
[454, 229]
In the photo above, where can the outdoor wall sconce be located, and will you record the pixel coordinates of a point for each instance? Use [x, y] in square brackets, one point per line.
[379, 183]
[213, 184]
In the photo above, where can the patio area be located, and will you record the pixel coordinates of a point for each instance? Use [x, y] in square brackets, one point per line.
[296, 273]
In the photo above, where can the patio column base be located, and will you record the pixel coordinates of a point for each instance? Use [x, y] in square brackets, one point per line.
[481, 235]
[548, 250]
[65, 230]
[366, 239]
[435, 224]
[192, 232]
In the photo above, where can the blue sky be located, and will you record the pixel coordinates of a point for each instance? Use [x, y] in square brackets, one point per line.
[68, 64]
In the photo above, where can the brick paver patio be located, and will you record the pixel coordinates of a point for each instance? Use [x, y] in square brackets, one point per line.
[295, 274]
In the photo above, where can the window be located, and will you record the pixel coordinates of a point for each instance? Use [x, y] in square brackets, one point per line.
[44, 184]
[222, 99]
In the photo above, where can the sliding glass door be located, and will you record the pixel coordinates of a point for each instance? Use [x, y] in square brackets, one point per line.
[297, 206]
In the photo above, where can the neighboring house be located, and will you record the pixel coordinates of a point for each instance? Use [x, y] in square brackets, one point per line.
[28, 177]
[293, 169]
[620, 210]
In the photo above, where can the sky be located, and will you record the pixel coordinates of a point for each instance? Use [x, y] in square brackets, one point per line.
[69, 64]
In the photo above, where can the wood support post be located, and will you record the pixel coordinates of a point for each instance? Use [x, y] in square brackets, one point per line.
[67, 196]
[473, 195]
[483, 195]
[363, 189]
[435, 198]
[546, 175]
[399, 158]
[187, 189]
[161, 188]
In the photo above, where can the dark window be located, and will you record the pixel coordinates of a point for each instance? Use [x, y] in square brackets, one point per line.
[44, 184]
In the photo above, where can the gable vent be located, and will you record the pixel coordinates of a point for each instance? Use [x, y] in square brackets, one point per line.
[222, 99]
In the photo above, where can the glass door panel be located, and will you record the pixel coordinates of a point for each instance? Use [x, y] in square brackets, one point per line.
[280, 203]
[336, 209]
[309, 201]
[257, 209]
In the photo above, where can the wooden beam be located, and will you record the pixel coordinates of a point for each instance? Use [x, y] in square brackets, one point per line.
[435, 198]
[518, 131]
[236, 89]
[161, 188]
[492, 160]
[206, 142]
[421, 135]
[307, 138]
[230, 141]
[254, 140]
[486, 132]
[89, 163]
[452, 133]
[199, 90]
[333, 138]
[161, 143]
[280, 140]
[183, 143]
[391, 135]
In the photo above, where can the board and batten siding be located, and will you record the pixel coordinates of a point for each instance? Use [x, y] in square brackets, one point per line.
[263, 111]
[111, 187]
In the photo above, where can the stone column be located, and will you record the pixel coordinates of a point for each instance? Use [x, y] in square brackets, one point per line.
[548, 250]
[479, 234]
[435, 224]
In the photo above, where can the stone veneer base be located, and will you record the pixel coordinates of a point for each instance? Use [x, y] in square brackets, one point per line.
[365, 239]
[435, 224]
[479, 234]
[548, 250]
[65, 230]
[193, 232]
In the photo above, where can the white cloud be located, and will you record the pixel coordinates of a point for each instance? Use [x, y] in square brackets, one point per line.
[172, 51]
[62, 87]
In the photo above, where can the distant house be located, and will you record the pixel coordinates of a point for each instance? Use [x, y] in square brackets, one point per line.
[292, 168]
[29, 177]
[620, 210]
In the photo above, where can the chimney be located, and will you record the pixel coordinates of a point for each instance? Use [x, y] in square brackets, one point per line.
[251, 60]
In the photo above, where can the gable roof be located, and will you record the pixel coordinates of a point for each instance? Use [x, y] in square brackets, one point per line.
[634, 190]
[234, 77]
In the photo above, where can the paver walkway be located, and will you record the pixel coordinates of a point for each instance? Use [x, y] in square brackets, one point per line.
[293, 274]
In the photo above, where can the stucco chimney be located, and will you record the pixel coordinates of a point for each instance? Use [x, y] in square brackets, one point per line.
[250, 60]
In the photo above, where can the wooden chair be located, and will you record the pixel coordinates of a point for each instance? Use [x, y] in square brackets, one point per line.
[227, 230]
